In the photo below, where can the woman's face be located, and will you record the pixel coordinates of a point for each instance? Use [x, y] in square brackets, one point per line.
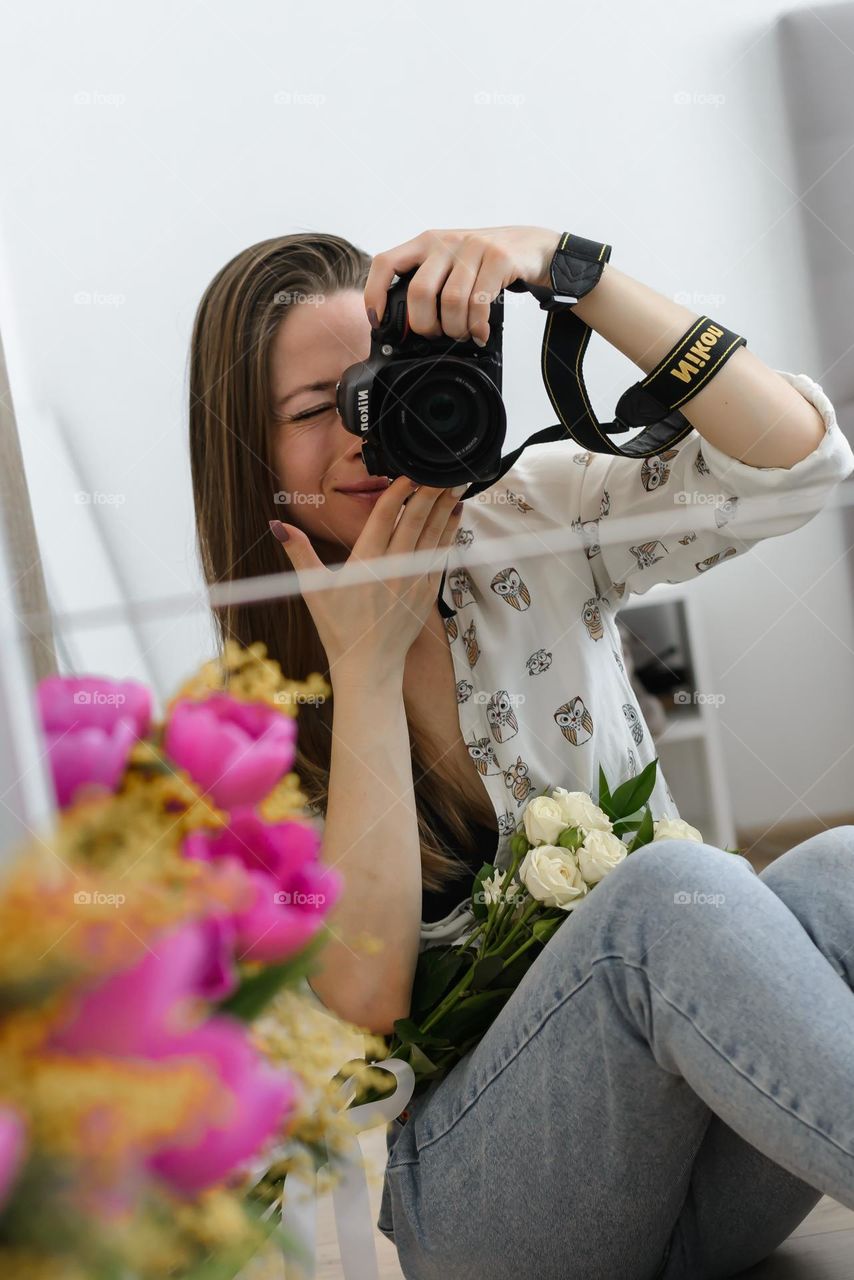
[316, 455]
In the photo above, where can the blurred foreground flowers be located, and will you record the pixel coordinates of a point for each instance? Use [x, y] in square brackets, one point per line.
[154, 1047]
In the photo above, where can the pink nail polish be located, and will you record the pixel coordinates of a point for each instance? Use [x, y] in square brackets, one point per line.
[279, 531]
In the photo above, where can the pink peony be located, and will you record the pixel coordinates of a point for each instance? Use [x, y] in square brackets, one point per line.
[90, 725]
[11, 1149]
[293, 891]
[235, 751]
[144, 1012]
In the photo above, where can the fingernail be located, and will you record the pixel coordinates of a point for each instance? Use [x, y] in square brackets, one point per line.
[459, 489]
[279, 531]
[372, 316]
[456, 509]
[478, 342]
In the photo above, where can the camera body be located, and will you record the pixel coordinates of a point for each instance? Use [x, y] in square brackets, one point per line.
[427, 408]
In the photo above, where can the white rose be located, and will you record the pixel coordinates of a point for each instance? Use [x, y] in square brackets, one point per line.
[551, 875]
[599, 854]
[675, 829]
[578, 810]
[543, 820]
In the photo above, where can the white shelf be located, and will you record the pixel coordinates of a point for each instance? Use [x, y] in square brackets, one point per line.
[696, 772]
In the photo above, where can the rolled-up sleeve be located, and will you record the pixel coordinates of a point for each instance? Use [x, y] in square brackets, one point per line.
[677, 514]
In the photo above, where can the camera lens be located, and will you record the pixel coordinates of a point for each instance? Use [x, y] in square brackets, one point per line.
[440, 406]
[439, 414]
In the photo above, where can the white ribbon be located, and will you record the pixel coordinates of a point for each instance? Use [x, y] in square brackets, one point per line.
[354, 1221]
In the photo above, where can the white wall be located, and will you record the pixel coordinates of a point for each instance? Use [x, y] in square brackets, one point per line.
[145, 145]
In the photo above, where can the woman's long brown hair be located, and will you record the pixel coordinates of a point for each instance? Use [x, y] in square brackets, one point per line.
[234, 486]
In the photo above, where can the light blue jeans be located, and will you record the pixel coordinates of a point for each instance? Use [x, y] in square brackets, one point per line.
[668, 1092]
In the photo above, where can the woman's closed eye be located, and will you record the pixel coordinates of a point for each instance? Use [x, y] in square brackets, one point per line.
[309, 413]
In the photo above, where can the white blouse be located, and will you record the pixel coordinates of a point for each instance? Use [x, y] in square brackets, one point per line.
[542, 692]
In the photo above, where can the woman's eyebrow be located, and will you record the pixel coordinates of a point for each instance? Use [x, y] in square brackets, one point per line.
[309, 386]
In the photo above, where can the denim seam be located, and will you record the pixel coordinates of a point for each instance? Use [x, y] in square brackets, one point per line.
[723, 1056]
[503, 1067]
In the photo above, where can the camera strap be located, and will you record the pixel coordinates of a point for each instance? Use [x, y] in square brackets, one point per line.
[652, 403]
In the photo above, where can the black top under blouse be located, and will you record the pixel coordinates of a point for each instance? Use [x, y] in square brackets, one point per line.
[438, 903]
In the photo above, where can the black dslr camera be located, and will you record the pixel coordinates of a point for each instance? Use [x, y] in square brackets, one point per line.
[427, 408]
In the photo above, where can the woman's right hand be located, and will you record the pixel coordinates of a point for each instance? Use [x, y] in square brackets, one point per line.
[369, 627]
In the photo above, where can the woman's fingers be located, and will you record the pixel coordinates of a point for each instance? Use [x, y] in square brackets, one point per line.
[457, 289]
[374, 539]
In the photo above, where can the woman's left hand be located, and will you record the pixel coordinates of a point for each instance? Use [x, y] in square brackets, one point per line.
[459, 274]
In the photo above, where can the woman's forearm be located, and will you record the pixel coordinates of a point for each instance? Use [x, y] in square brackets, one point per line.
[370, 838]
[746, 409]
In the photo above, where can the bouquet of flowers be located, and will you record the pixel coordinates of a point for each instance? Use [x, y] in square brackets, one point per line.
[145, 944]
[565, 845]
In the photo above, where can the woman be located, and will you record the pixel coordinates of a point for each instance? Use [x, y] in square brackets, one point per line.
[668, 1092]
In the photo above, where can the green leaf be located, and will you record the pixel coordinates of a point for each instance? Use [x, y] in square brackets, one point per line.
[410, 1032]
[485, 971]
[480, 909]
[645, 832]
[604, 793]
[630, 795]
[437, 971]
[472, 1016]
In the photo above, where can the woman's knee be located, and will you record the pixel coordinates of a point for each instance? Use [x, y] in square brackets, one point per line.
[668, 873]
[814, 865]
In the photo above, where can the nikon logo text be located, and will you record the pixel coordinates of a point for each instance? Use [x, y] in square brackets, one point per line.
[697, 356]
[362, 410]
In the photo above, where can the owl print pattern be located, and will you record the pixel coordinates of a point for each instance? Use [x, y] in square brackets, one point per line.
[471, 644]
[591, 616]
[655, 471]
[709, 561]
[508, 584]
[700, 464]
[464, 690]
[538, 662]
[517, 501]
[575, 722]
[589, 531]
[517, 781]
[460, 585]
[634, 722]
[725, 511]
[499, 713]
[451, 628]
[648, 553]
[605, 505]
[482, 753]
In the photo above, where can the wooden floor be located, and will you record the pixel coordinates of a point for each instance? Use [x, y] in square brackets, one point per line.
[821, 1248]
